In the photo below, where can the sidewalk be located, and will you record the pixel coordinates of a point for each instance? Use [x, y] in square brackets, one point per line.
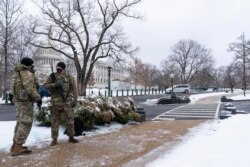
[112, 149]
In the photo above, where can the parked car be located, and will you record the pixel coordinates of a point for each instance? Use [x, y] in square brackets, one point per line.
[181, 88]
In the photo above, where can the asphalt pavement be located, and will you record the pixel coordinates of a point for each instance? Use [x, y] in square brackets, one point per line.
[7, 112]
[241, 105]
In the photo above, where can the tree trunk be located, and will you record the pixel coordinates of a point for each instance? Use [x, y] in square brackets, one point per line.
[244, 68]
[81, 85]
[5, 68]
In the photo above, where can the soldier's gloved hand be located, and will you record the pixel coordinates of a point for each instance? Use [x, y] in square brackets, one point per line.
[73, 103]
[58, 84]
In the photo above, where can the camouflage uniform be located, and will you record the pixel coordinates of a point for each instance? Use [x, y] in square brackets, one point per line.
[59, 106]
[24, 95]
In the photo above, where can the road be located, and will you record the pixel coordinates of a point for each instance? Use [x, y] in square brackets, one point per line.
[7, 112]
[153, 111]
[191, 111]
[184, 111]
[242, 106]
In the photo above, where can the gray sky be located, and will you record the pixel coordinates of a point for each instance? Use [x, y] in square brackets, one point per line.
[213, 23]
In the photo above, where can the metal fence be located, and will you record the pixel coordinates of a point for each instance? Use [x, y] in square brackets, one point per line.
[127, 92]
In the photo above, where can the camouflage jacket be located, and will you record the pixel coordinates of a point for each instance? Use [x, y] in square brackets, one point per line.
[23, 85]
[69, 89]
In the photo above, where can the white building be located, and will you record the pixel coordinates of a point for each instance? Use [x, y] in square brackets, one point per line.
[118, 75]
[44, 57]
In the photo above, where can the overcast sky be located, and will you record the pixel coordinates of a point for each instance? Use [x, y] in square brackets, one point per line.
[212, 23]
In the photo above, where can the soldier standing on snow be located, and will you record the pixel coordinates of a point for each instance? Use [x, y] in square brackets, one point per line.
[24, 94]
[63, 97]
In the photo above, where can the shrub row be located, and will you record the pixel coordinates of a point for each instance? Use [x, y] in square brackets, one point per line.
[95, 110]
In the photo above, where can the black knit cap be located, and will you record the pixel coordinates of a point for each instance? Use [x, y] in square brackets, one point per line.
[61, 64]
[27, 61]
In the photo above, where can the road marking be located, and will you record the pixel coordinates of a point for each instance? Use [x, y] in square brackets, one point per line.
[191, 111]
[156, 118]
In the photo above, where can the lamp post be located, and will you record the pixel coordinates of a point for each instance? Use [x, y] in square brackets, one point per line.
[109, 64]
[172, 83]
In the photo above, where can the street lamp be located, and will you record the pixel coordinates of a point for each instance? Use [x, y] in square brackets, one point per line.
[109, 64]
[172, 83]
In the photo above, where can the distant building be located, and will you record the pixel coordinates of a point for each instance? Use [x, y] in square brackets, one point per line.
[44, 57]
[43, 60]
[118, 75]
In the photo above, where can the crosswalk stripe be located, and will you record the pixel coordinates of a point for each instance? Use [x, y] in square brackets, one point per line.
[191, 111]
[190, 114]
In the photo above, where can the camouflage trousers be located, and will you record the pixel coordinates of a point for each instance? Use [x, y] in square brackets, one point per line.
[57, 113]
[24, 121]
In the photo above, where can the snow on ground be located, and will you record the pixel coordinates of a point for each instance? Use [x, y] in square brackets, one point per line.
[195, 97]
[220, 143]
[241, 97]
[40, 136]
[151, 101]
[217, 143]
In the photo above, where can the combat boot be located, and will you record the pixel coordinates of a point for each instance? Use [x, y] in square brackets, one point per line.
[72, 140]
[54, 142]
[18, 150]
[12, 147]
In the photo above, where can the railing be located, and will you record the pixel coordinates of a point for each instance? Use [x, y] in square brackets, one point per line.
[140, 92]
[127, 92]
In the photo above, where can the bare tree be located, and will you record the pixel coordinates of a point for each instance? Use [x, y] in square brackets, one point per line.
[86, 31]
[230, 76]
[189, 57]
[167, 68]
[242, 52]
[158, 79]
[91, 81]
[147, 73]
[135, 70]
[204, 78]
[10, 11]
[217, 75]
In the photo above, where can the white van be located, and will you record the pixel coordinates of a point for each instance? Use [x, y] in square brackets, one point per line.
[181, 88]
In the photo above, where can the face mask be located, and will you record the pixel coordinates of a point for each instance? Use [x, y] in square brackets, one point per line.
[59, 70]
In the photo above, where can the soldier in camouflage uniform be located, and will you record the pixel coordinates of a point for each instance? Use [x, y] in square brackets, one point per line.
[24, 94]
[63, 97]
